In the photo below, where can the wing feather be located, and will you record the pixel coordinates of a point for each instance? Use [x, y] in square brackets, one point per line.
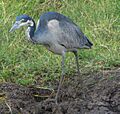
[62, 30]
[71, 36]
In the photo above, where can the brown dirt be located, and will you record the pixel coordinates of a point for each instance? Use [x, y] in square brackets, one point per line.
[100, 94]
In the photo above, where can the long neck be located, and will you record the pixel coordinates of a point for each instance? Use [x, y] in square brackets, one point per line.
[35, 37]
[31, 30]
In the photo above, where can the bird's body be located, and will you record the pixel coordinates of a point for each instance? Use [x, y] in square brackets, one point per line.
[56, 32]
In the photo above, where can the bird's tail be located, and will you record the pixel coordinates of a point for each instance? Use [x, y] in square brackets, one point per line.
[88, 43]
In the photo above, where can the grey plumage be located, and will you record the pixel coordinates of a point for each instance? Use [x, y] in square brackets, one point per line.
[57, 33]
[66, 34]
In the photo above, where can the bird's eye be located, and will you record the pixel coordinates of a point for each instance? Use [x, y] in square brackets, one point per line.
[22, 20]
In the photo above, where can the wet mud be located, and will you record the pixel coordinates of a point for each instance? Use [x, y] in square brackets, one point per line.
[98, 94]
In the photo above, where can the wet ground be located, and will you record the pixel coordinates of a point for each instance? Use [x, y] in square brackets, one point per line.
[100, 94]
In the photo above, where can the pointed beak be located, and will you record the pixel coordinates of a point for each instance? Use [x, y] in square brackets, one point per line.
[14, 27]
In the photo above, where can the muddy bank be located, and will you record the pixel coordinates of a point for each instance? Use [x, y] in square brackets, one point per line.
[100, 94]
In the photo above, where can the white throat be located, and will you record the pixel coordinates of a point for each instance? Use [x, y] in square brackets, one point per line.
[27, 33]
[30, 22]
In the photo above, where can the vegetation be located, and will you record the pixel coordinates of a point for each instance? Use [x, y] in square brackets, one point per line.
[22, 62]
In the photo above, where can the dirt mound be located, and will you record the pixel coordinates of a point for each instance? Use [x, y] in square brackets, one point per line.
[100, 94]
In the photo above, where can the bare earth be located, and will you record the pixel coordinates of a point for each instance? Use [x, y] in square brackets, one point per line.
[100, 94]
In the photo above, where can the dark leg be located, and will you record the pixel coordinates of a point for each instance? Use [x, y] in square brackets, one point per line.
[78, 70]
[77, 63]
[62, 77]
[82, 85]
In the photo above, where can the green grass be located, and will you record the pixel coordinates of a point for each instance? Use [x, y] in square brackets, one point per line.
[22, 62]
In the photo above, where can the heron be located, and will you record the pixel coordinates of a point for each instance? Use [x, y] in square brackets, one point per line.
[58, 33]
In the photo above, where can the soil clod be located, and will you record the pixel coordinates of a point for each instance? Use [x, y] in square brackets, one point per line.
[100, 95]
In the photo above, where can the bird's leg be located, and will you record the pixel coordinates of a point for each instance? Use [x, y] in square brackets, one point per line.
[62, 77]
[78, 70]
[83, 87]
[77, 63]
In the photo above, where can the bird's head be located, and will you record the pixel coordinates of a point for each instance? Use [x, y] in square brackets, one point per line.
[22, 20]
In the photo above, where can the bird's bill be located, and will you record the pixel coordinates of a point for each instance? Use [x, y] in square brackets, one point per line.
[14, 27]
